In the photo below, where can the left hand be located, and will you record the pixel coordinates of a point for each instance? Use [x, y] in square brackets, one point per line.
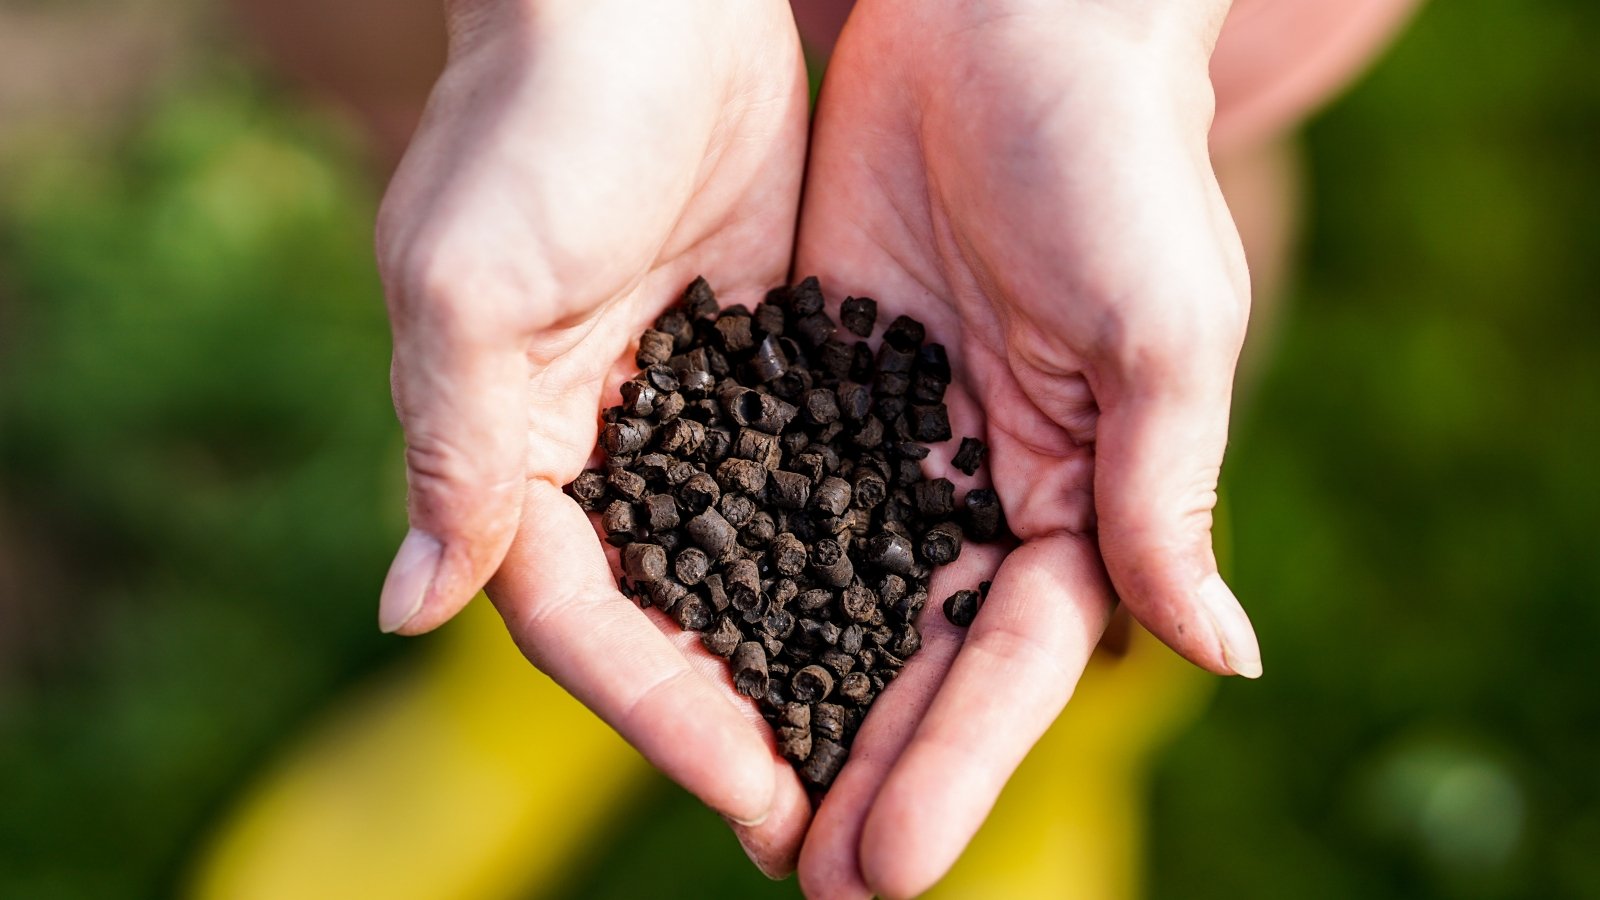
[1032, 181]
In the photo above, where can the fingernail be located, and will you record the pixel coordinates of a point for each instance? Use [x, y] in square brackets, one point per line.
[751, 823]
[1240, 651]
[744, 844]
[412, 571]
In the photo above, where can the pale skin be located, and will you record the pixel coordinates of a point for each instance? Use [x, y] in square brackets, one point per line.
[1031, 179]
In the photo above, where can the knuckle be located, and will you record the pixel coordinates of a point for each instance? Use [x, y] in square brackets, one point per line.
[451, 483]
[447, 283]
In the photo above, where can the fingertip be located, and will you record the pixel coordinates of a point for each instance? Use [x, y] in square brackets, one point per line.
[892, 875]
[411, 575]
[1236, 637]
[773, 844]
[901, 820]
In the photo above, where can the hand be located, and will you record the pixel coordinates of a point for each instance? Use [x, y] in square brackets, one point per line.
[579, 163]
[1032, 181]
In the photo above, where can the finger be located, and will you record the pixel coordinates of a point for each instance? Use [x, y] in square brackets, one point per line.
[559, 603]
[459, 390]
[1158, 452]
[774, 843]
[1015, 672]
[830, 865]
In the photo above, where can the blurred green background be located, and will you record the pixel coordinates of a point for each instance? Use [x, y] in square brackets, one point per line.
[199, 479]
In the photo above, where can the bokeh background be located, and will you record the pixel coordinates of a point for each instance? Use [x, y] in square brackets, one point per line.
[200, 482]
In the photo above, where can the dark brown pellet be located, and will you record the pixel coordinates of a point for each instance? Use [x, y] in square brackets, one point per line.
[814, 330]
[854, 401]
[821, 406]
[824, 763]
[661, 513]
[788, 554]
[696, 383]
[834, 358]
[589, 489]
[698, 301]
[670, 406]
[858, 603]
[743, 475]
[679, 472]
[868, 489]
[638, 398]
[832, 496]
[831, 563]
[735, 332]
[759, 532]
[931, 423]
[683, 436]
[811, 684]
[743, 583]
[773, 414]
[869, 435]
[782, 591]
[907, 640]
[770, 361]
[856, 687]
[699, 493]
[982, 514]
[691, 566]
[694, 613]
[837, 661]
[814, 600]
[769, 319]
[628, 485]
[716, 593]
[892, 553]
[618, 520]
[893, 361]
[904, 334]
[758, 447]
[655, 347]
[794, 743]
[750, 669]
[723, 639]
[627, 436]
[935, 499]
[790, 490]
[962, 607]
[665, 593]
[859, 314]
[712, 532]
[736, 509]
[941, 544]
[663, 378]
[644, 562]
[970, 456]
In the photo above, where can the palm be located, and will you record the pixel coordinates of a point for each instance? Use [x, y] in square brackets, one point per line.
[1006, 206]
[549, 208]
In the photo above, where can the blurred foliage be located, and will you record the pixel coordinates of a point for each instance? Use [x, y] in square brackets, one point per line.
[193, 411]
[199, 469]
[1414, 496]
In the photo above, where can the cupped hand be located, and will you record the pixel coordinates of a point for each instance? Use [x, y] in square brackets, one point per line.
[578, 164]
[1031, 179]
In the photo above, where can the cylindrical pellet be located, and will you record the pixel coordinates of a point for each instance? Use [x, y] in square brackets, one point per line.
[750, 669]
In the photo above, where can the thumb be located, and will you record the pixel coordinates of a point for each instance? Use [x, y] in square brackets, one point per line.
[459, 389]
[1158, 452]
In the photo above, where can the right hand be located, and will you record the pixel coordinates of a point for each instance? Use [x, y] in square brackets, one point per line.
[578, 164]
